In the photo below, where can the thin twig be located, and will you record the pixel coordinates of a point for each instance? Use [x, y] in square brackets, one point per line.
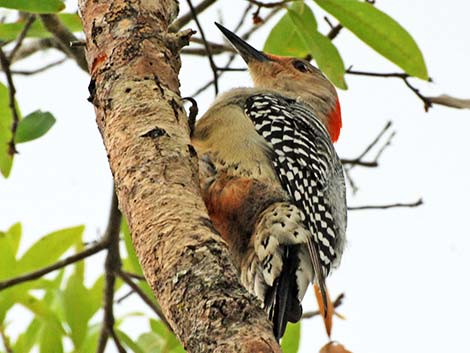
[208, 48]
[5, 63]
[78, 43]
[338, 301]
[38, 70]
[334, 30]
[103, 340]
[245, 36]
[112, 266]
[117, 342]
[427, 101]
[327, 20]
[56, 266]
[126, 278]
[350, 180]
[232, 69]
[33, 46]
[21, 36]
[186, 18]
[124, 297]
[269, 5]
[417, 203]
[359, 162]
[401, 75]
[61, 33]
[134, 275]
[385, 145]
[373, 143]
[215, 48]
[333, 33]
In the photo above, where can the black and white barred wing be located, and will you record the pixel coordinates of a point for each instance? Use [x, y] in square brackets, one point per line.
[309, 170]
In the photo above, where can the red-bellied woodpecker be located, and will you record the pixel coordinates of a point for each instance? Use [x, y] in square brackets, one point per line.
[272, 181]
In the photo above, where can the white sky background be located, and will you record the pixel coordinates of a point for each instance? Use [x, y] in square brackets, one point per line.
[405, 271]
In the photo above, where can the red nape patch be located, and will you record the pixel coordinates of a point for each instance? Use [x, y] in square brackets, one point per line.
[335, 122]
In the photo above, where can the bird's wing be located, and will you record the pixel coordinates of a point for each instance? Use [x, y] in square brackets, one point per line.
[309, 170]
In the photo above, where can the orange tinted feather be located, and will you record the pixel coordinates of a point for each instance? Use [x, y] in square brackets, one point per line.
[329, 307]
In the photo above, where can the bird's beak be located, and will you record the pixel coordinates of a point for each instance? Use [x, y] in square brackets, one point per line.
[247, 52]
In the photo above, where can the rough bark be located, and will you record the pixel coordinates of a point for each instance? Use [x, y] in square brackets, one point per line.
[134, 64]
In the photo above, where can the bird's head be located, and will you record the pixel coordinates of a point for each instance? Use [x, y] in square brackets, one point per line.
[293, 77]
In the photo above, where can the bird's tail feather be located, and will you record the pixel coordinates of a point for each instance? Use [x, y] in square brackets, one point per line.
[283, 302]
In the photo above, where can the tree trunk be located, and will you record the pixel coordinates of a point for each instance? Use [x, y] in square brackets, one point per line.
[134, 64]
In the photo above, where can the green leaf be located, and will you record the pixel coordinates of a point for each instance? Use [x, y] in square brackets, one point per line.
[91, 339]
[129, 342]
[9, 243]
[379, 31]
[43, 311]
[324, 52]
[171, 343]
[33, 126]
[150, 342]
[285, 41]
[10, 31]
[291, 341]
[6, 119]
[8, 249]
[133, 263]
[28, 339]
[6, 302]
[76, 309]
[36, 6]
[15, 237]
[49, 248]
[95, 295]
[49, 341]
[296, 34]
[51, 286]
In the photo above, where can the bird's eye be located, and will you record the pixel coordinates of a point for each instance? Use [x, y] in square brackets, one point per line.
[300, 66]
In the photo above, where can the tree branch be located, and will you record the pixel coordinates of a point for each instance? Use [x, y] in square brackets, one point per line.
[38, 70]
[145, 132]
[270, 5]
[369, 147]
[338, 301]
[5, 63]
[157, 310]
[351, 163]
[334, 30]
[417, 203]
[450, 101]
[208, 48]
[21, 37]
[33, 46]
[214, 47]
[244, 37]
[56, 266]
[186, 18]
[65, 37]
[359, 162]
[427, 101]
[112, 267]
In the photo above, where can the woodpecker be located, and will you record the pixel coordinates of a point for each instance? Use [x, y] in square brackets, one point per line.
[272, 181]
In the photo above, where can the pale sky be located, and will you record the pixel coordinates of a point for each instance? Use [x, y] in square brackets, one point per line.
[404, 272]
